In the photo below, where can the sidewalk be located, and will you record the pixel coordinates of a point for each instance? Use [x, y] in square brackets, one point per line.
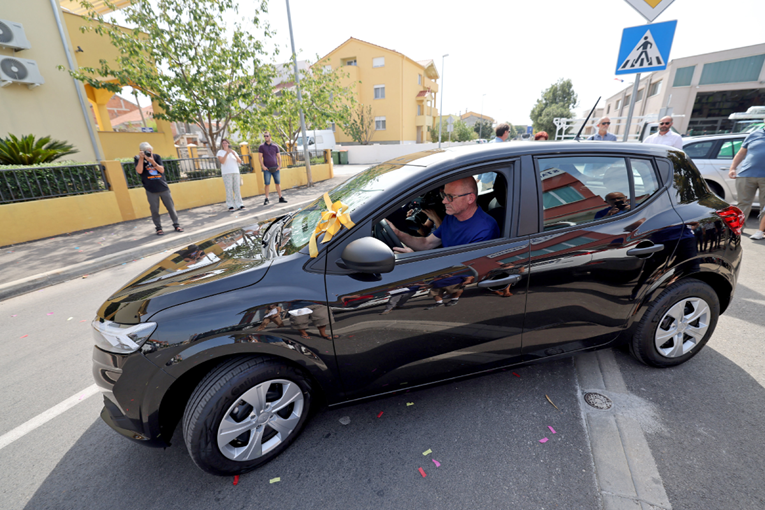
[37, 264]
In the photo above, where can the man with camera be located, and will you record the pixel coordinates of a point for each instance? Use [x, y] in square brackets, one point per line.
[464, 223]
[149, 167]
[617, 204]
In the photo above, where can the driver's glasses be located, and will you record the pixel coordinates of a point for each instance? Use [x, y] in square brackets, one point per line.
[450, 198]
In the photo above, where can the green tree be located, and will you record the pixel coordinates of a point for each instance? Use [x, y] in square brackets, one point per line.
[484, 130]
[556, 101]
[462, 132]
[182, 55]
[28, 151]
[360, 124]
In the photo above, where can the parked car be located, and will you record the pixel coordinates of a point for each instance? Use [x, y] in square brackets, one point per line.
[239, 337]
[318, 140]
[712, 155]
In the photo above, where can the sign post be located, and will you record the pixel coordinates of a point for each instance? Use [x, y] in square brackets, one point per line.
[644, 48]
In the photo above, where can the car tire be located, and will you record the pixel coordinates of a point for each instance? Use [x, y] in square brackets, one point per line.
[261, 404]
[677, 325]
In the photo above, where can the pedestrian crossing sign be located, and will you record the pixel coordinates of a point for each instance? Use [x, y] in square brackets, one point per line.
[645, 48]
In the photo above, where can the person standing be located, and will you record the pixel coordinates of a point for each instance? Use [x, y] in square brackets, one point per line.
[502, 133]
[603, 134]
[229, 169]
[748, 168]
[149, 167]
[270, 162]
[665, 136]
[541, 136]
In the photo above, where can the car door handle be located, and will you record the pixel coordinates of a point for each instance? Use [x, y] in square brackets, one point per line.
[647, 250]
[496, 283]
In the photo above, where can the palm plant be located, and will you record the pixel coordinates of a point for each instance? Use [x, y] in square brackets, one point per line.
[28, 151]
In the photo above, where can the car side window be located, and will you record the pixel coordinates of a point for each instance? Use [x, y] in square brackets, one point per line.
[581, 189]
[698, 150]
[729, 149]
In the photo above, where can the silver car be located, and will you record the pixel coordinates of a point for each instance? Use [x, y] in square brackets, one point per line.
[713, 154]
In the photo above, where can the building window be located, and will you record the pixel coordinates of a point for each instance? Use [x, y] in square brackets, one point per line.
[327, 69]
[379, 123]
[627, 101]
[683, 76]
[639, 95]
[378, 62]
[379, 91]
[419, 109]
[351, 61]
[654, 89]
[333, 127]
[608, 109]
[419, 79]
[732, 71]
[618, 103]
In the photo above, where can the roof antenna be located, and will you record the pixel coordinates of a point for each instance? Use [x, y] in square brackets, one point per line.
[588, 118]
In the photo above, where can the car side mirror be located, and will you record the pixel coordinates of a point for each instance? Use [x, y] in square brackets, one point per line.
[367, 255]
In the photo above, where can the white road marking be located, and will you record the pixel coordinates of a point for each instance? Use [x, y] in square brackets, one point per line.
[45, 417]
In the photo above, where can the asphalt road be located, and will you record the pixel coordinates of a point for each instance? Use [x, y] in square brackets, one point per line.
[703, 423]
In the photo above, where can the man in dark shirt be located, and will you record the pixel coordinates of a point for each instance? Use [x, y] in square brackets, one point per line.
[149, 167]
[270, 162]
[464, 223]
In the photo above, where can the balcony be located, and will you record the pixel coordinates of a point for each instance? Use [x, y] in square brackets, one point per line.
[423, 120]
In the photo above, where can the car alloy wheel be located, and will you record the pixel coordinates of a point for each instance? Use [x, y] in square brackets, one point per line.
[682, 327]
[262, 419]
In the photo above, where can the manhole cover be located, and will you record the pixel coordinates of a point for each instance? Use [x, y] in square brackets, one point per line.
[598, 401]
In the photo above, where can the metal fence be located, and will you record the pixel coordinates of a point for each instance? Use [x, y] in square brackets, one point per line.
[35, 183]
[177, 170]
[290, 158]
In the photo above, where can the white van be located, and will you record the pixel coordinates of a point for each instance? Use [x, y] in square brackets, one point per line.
[318, 140]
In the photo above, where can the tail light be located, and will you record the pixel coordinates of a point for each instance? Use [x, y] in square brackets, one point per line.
[733, 217]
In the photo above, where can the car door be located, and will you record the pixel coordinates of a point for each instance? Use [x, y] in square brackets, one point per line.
[390, 333]
[722, 158]
[602, 238]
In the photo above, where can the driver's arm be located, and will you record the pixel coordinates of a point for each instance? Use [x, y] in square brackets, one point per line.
[415, 243]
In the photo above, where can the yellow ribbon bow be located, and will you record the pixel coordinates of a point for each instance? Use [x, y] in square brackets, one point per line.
[330, 223]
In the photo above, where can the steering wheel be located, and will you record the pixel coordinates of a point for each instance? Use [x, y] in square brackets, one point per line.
[384, 233]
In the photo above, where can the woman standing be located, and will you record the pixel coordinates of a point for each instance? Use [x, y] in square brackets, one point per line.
[229, 169]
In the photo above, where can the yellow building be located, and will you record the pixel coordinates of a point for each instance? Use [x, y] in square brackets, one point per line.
[402, 92]
[61, 106]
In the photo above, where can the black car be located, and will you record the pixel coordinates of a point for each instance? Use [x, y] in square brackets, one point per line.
[242, 335]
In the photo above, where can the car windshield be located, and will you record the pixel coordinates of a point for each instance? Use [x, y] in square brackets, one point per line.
[353, 193]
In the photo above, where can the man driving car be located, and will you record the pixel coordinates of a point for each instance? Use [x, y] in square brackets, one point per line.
[464, 223]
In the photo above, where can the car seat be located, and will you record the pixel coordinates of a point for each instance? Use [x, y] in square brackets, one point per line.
[498, 206]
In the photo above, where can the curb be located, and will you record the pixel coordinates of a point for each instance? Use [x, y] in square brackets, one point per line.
[42, 280]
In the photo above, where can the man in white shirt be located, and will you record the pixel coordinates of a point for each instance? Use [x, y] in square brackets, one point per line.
[665, 136]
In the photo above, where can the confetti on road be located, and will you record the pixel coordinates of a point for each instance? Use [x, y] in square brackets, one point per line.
[427, 452]
[13, 315]
[543, 440]
[70, 318]
[381, 413]
[550, 401]
[50, 313]
[438, 464]
[422, 472]
[345, 420]
[409, 404]
[85, 276]
[236, 479]
[516, 375]
[24, 336]
[274, 480]
[551, 429]
[76, 247]
[84, 320]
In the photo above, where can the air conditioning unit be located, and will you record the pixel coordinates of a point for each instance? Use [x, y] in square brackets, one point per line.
[19, 70]
[12, 36]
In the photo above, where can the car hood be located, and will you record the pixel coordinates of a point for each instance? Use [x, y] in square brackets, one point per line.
[225, 262]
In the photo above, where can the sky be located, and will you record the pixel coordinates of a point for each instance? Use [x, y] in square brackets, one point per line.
[504, 54]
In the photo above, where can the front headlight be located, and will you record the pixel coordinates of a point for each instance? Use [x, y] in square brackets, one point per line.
[121, 338]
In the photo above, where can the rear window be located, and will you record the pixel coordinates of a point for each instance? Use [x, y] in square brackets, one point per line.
[698, 150]
[729, 149]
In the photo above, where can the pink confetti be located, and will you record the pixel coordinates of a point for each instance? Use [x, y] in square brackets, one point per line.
[544, 440]
[438, 464]
[236, 479]
[50, 313]
[13, 316]
[516, 375]
[81, 397]
[551, 429]
[24, 336]
[422, 472]
[381, 413]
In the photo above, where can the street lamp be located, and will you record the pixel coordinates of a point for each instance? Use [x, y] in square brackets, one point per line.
[480, 133]
[300, 102]
[441, 108]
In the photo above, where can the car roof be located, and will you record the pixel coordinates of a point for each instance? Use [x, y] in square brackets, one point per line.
[718, 136]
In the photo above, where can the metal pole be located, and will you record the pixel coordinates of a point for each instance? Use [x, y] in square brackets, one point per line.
[70, 62]
[440, 108]
[300, 99]
[632, 108]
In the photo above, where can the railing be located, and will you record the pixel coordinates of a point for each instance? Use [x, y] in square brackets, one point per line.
[177, 170]
[35, 183]
[289, 159]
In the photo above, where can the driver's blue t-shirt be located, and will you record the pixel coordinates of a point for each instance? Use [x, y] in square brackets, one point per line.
[480, 227]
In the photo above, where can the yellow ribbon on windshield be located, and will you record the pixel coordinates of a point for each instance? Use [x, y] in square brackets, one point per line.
[330, 223]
